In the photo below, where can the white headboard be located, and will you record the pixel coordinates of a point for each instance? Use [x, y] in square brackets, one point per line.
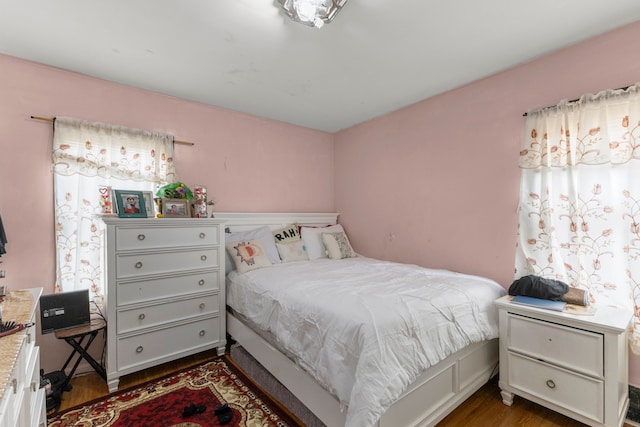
[241, 221]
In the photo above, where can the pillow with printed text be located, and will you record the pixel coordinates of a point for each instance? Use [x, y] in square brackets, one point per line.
[290, 233]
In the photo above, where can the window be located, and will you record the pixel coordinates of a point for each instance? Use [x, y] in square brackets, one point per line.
[579, 210]
[87, 155]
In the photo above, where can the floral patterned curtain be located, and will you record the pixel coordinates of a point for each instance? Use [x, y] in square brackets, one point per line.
[87, 155]
[579, 210]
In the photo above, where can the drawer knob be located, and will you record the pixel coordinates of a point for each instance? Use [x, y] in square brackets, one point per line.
[551, 384]
[141, 317]
[14, 383]
[202, 332]
[201, 305]
[202, 235]
[201, 282]
[33, 386]
[139, 264]
[203, 257]
[141, 236]
[139, 349]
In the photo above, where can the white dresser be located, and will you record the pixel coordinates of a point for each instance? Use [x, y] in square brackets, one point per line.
[573, 364]
[22, 401]
[165, 294]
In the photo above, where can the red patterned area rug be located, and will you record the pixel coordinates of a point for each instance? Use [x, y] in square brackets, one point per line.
[161, 403]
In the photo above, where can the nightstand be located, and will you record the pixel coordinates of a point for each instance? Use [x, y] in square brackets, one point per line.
[573, 364]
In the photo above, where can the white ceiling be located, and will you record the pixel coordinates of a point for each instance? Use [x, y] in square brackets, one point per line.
[246, 55]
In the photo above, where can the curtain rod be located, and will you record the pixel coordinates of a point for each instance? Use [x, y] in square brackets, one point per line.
[574, 100]
[47, 119]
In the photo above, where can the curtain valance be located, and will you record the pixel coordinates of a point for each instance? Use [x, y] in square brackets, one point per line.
[596, 129]
[111, 151]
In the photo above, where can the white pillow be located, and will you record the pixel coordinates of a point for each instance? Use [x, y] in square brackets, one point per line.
[338, 246]
[293, 251]
[262, 234]
[248, 256]
[312, 237]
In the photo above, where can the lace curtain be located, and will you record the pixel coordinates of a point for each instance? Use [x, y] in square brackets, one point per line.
[579, 209]
[87, 155]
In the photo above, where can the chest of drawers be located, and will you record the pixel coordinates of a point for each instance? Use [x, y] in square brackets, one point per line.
[574, 364]
[165, 295]
[22, 401]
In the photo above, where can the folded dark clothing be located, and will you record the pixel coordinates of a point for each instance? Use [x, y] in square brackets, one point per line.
[555, 290]
[539, 287]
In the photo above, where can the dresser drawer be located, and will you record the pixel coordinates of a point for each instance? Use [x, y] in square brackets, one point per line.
[13, 395]
[147, 290]
[152, 315]
[578, 393]
[571, 348]
[133, 265]
[32, 385]
[8, 407]
[29, 346]
[139, 238]
[167, 343]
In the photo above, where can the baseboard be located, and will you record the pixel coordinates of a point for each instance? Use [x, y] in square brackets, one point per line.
[633, 414]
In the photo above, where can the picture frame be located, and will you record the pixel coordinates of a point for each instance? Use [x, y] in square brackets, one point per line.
[149, 203]
[176, 208]
[114, 203]
[130, 204]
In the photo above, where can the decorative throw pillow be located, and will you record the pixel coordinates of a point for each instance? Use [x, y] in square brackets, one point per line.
[293, 251]
[312, 237]
[247, 256]
[287, 234]
[262, 234]
[338, 245]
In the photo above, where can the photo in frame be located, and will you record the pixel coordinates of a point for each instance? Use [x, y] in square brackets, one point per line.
[175, 208]
[149, 204]
[130, 204]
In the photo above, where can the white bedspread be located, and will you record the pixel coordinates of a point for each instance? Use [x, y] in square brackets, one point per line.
[363, 328]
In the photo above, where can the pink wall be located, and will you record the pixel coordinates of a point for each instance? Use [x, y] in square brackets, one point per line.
[437, 183]
[434, 184]
[247, 163]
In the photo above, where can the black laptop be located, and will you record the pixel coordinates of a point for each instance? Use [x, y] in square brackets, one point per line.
[64, 310]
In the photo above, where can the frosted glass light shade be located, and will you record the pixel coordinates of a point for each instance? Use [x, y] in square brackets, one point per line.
[314, 13]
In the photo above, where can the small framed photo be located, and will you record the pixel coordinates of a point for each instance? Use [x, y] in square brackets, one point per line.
[175, 208]
[149, 204]
[130, 204]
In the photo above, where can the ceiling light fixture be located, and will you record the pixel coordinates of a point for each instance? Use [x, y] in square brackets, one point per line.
[314, 13]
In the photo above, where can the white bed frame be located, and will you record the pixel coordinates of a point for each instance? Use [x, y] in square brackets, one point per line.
[437, 392]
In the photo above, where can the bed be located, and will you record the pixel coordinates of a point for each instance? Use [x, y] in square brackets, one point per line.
[392, 378]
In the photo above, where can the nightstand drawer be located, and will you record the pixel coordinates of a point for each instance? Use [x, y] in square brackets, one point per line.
[578, 393]
[571, 348]
[132, 265]
[152, 315]
[135, 292]
[166, 237]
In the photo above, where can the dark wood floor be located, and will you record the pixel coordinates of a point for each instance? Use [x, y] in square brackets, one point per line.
[484, 408]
